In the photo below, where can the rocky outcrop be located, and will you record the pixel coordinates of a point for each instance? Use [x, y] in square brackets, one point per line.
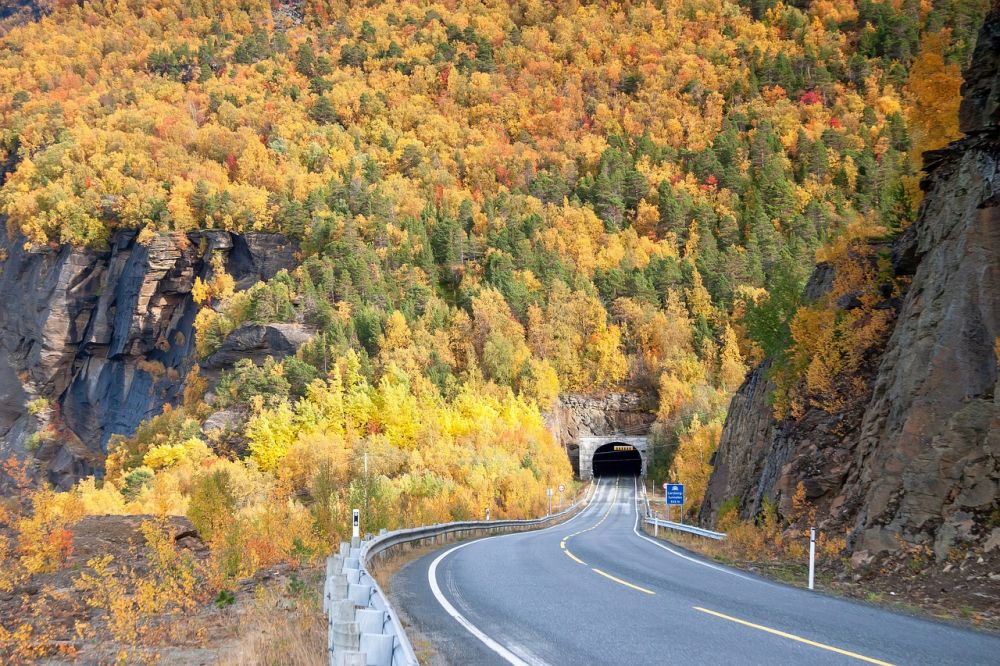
[258, 342]
[14, 13]
[760, 459]
[104, 336]
[915, 459]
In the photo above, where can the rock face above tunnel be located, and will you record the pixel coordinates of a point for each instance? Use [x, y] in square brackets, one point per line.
[917, 461]
[576, 416]
[101, 338]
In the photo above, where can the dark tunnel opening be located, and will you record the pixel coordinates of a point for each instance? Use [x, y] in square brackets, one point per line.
[617, 460]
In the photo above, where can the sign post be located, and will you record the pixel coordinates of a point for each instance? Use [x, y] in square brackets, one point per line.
[666, 506]
[812, 556]
[356, 516]
[549, 493]
[675, 496]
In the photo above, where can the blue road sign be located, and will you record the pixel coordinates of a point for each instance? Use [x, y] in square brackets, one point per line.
[675, 493]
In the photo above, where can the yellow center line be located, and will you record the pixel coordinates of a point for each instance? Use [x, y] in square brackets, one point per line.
[574, 557]
[793, 637]
[623, 582]
[562, 545]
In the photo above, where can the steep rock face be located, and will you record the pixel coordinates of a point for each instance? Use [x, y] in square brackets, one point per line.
[916, 460]
[103, 336]
[930, 442]
[760, 459]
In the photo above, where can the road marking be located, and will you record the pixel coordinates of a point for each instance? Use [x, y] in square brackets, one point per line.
[562, 545]
[503, 652]
[506, 654]
[623, 582]
[793, 637]
[635, 528]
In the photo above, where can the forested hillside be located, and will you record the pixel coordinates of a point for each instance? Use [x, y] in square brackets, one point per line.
[493, 203]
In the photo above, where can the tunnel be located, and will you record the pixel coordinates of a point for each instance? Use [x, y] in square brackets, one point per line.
[617, 459]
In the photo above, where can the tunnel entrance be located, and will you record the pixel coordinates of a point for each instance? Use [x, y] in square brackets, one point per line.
[617, 459]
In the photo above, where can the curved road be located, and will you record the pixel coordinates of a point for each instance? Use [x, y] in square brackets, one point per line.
[595, 590]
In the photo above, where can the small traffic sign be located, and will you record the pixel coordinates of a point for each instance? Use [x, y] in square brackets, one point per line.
[549, 492]
[561, 487]
[675, 493]
[665, 486]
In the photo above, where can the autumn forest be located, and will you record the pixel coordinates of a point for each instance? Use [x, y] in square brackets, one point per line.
[495, 204]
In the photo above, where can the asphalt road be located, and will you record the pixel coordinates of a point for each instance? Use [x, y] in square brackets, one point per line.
[594, 591]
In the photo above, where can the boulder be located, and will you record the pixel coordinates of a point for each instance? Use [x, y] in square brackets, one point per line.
[221, 421]
[258, 342]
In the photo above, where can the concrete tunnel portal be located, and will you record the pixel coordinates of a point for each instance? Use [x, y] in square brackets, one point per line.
[620, 455]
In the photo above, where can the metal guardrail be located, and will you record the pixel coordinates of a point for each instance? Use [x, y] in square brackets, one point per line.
[364, 628]
[681, 527]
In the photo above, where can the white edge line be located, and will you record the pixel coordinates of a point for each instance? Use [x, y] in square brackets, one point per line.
[635, 528]
[505, 653]
[509, 656]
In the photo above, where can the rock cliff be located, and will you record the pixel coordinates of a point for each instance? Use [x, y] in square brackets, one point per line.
[914, 459]
[92, 342]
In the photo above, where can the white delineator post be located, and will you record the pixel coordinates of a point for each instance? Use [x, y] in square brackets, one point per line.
[357, 524]
[812, 556]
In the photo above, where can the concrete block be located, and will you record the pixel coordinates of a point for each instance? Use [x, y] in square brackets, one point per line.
[356, 552]
[353, 575]
[370, 620]
[359, 594]
[378, 648]
[337, 588]
[345, 548]
[352, 562]
[355, 542]
[346, 637]
[350, 659]
[344, 610]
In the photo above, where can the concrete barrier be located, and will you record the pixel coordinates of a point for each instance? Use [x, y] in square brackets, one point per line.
[364, 630]
[378, 649]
